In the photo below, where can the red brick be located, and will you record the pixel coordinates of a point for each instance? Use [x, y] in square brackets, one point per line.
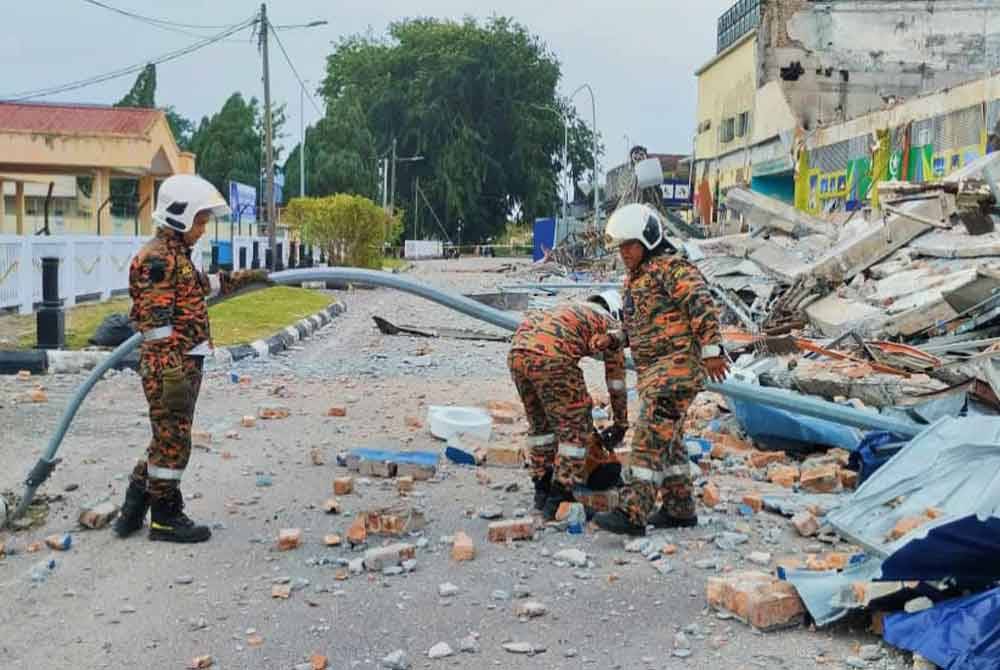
[99, 516]
[563, 511]
[906, 525]
[710, 495]
[337, 411]
[504, 456]
[23, 375]
[283, 591]
[513, 529]
[826, 562]
[783, 475]
[273, 412]
[724, 444]
[201, 662]
[756, 598]
[848, 478]
[331, 506]
[824, 479]
[462, 547]
[754, 501]
[332, 540]
[503, 411]
[761, 459]
[358, 532]
[806, 524]
[38, 396]
[413, 422]
[289, 538]
[404, 485]
[248, 421]
[599, 501]
[318, 662]
[343, 486]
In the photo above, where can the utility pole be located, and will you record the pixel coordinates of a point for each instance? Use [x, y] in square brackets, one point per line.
[416, 209]
[302, 142]
[392, 181]
[269, 141]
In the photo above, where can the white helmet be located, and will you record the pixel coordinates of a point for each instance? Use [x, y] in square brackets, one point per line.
[636, 222]
[610, 301]
[180, 199]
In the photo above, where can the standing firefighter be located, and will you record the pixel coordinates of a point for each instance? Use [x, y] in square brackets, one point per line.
[169, 309]
[544, 363]
[672, 327]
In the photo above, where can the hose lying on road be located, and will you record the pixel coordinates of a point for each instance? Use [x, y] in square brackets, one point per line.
[47, 463]
[803, 405]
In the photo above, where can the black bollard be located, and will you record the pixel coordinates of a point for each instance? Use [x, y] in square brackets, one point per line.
[51, 319]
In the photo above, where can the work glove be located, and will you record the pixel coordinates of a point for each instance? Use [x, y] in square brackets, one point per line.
[612, 436]
[177, 391]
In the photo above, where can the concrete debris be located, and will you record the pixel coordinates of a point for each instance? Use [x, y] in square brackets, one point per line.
[397, 660]
[98, 516]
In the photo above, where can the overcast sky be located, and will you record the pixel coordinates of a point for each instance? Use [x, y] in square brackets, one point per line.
[639, 56]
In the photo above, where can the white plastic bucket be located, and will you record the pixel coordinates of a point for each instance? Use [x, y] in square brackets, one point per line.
[446, 422]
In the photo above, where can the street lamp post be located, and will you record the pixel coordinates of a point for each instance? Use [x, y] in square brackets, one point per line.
[593, 112]
[302, 141]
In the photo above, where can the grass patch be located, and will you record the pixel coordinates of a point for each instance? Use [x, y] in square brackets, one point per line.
[81, 322]
[239, 320]
[258, 314]
[390, 264]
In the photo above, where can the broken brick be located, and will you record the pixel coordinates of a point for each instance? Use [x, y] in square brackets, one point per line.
[201, 439]
[841, 457]
[848, 478]
[598, 501]
[38, 396]
[248, 421]
[724, 445]
[59, 542]
[510, 530]
[337, 411]
[379, 558]
[563, 511]
[404, 485]
[254, 640]
[358, 532]
[504, 456]
[23, 375]
[783, 475]
[418, 471]
[331, 506]
[372, 468]
[668, 549]
[462, 547]
[282, 591]
[201, 662]
[710, 495]
[754, 501]
[99, 516]
[413, 422]
[482, 477]
[906, 525]
[827, 562]
[503, 411]
[933, 513]
[343, 486]
[332, 540]
[806, 524]
[271, 413]
[318, 662]
[762, 459]
[756, 598]
[789, 563]
[289, 538]
[395, 521]
[316, 456]
[824, 479]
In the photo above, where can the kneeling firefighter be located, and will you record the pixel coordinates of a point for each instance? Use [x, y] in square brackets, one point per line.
[565, 448]
[169, 309]
[671, 325]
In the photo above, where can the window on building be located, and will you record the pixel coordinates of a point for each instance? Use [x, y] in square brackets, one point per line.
[743, 124]
[727, 130]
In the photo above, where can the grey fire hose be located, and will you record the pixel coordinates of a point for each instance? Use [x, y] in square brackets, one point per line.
[805, 406]
[47, 463]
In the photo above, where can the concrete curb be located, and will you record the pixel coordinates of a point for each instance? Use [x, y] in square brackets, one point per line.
[41, 361]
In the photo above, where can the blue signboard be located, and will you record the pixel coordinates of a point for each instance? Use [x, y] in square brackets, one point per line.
[676, 192]
[279, 186]
[243, 202]
[544, 239]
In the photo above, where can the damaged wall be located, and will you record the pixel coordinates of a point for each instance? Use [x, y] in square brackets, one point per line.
[838, 59]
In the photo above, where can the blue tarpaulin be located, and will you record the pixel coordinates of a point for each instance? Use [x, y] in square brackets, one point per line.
[966, 549]
[780, 429]
[874, 451]
[959, 634]
[382, 455]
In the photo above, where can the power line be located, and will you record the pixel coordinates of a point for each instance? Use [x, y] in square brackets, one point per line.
[132, 69]
[149, 19]
[294, 71]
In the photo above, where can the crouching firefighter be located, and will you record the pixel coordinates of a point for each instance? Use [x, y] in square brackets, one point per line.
[671, 325]
[565, 448]
[169, 309]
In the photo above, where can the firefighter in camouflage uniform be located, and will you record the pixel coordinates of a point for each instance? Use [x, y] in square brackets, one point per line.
[544, 362]
[671, 326]
[169, 309]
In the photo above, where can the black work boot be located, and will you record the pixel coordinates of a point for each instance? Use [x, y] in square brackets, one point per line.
[617, 522]
[134, 510]
[558, 494]
[660, 519]
[542, 487]
[170, 524]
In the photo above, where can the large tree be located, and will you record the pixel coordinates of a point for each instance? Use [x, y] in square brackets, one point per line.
[229, 143]
[477, 101]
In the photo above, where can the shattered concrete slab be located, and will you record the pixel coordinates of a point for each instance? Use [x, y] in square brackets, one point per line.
[955, 244]
[833, 315]
[780, 263]
[760, 211]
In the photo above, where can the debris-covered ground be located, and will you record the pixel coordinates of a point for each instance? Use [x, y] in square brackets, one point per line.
[427, 587]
